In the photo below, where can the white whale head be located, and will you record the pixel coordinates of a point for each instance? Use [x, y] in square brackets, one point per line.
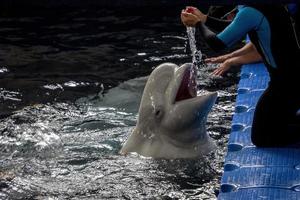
[172, 118]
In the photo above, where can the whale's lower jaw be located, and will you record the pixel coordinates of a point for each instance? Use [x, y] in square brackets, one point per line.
[157, 148]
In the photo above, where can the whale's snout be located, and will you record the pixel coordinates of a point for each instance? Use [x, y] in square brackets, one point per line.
[212, 96]
[172, 117]
[205, 102]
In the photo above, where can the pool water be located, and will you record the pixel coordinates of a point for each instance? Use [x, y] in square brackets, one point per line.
[70, 86]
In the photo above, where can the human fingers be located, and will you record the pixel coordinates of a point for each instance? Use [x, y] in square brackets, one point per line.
[194, 10]
[207, 60]
[201, 16]
[193, 7]
[212, 60]
[189, 19]
[183, 17]
[220, 59]
[222, 69]
[216, 72]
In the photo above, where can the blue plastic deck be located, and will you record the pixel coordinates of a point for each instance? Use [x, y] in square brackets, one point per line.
[252, 173]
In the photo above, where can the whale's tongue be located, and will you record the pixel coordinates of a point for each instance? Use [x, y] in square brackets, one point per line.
[188, 87]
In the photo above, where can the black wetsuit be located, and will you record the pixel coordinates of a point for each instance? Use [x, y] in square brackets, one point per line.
[271, 30]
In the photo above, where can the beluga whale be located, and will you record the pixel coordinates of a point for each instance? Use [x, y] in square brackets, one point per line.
[172, 118]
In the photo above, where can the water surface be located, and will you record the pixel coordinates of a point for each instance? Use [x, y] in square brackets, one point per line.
[70, 85]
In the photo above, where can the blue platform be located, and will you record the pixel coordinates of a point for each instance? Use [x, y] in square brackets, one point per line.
[252, 173]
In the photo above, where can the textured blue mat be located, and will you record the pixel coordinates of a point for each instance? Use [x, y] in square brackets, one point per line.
[256, 173]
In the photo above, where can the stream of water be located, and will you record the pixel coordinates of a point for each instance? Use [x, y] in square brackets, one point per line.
[196, 54]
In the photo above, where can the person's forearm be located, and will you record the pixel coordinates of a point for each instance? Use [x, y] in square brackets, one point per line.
[210, 37]
[248, 48]
[250, 57]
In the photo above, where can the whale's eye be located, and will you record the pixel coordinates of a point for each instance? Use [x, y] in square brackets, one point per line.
[158, 113]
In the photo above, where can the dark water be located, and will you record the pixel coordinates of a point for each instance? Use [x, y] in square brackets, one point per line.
[70, 85]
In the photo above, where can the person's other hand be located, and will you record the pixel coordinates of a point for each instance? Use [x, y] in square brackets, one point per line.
[202, 17]
[223, 67]
[218, 59]
[189, 19]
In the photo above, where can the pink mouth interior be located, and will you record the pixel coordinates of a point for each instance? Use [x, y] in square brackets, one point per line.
[188, 86]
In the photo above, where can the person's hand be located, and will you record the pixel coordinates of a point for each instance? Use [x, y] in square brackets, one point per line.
[189, 19]
[218, 59]
[224, 67]
[202, 17]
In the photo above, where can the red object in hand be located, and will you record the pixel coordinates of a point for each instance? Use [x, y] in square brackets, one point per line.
[190, 10]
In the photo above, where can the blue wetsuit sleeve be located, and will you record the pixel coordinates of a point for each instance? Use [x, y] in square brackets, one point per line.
[247, 19]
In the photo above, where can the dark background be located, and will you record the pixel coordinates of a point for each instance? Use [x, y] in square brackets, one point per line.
[58, 53]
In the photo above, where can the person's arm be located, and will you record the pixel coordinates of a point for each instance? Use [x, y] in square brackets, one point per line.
[191, 16]
[249, 47]
[249, 57]
[210, 37]
[216, 24]
[212, 22]
[246, 19]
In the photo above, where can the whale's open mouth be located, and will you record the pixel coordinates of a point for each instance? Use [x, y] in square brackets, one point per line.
[188, 86]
